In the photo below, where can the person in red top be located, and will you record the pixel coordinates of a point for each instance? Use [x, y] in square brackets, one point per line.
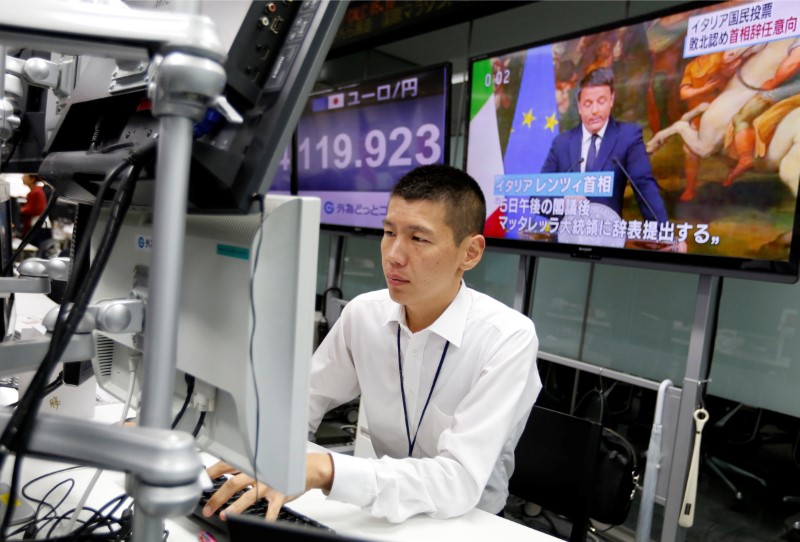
[35, 204]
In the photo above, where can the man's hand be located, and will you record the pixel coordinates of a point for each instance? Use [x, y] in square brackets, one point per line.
[319, 475]
[241, 481]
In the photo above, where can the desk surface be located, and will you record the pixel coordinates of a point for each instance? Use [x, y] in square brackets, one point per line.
[476, 525]
[346, 519]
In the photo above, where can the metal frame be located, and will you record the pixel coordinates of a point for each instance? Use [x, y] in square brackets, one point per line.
[190, 77]
[698, 364]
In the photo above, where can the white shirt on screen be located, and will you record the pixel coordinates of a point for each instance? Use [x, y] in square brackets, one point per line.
[464, 452]
[587, 140]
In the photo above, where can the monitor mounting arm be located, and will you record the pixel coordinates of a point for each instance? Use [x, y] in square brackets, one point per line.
[35, 71]
[189, 78]
[113, 316]
[34, 277]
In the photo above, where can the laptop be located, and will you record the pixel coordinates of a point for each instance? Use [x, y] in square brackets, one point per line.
[247, 528]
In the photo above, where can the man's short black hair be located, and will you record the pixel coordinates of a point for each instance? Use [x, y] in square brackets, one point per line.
[465, 206]
[601, 77]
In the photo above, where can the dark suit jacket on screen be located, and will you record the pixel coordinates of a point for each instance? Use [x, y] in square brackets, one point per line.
[623, 141]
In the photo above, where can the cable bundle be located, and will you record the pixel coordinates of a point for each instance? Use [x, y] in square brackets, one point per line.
[16, 436]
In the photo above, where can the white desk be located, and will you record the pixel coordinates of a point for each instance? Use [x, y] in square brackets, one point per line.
[476, 525]
[346, 519]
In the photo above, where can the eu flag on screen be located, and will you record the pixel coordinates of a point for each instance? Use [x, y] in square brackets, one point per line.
[319, 104]
[535, 121]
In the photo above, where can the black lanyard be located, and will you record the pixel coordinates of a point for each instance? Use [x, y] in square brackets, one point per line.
[411, 443]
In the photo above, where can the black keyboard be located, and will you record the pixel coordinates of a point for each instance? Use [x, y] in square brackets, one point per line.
[258, 509]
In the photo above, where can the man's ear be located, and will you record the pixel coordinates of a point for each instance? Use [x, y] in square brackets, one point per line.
[476, 244]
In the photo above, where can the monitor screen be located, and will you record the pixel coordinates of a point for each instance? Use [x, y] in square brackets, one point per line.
[355, 142]
[694, 166]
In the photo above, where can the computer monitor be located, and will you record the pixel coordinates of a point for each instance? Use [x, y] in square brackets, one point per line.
[248, 350]
[356, 141]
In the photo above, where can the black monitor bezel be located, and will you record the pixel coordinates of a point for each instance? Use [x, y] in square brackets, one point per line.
[746, 268]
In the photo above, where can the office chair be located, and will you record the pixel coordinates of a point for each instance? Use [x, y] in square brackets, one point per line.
[555, 466]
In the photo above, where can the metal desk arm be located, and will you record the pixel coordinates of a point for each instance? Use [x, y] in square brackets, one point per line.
[35, 275]
[159, 458]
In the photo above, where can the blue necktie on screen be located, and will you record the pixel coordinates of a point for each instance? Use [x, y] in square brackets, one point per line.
[591, 157]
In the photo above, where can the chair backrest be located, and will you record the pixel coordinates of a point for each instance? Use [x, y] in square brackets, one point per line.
[555, 463]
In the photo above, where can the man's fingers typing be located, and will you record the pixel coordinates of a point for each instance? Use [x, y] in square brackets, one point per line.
[276, 501]
[244, 502]
[219, 468]
[224, 493]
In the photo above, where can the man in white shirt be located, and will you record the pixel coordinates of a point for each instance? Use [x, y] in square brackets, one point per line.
[447, 375]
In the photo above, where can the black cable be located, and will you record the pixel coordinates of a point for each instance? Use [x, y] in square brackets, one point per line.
[42, 477]
[82, 251]
[10, 154]
[595, 530]
[54, 385]
[260, 232]
[53, 508]
[126, 524]
[37, 525]
[65, 327]
[199, 425]
[36, 228]
[70, 482]
[189, 391]
[102, 521]
[19, 435]
[98, 519]
[15, 472]
[41, 502]
[51, 387]
[119, 500]
[18, 430]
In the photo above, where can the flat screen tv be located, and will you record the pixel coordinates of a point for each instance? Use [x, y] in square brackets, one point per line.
[353, 143]
[697, 163]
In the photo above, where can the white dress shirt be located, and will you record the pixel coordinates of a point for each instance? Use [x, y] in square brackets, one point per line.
[464, 452]
[587, 140]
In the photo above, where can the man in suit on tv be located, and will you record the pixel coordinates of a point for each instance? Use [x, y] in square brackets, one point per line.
[603, 144]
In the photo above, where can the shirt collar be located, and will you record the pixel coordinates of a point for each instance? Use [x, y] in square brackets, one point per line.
[601, 132]
[450, 325]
